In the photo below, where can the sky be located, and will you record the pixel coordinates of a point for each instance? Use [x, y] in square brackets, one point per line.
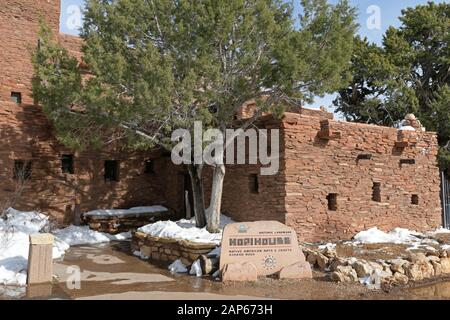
[374, 17]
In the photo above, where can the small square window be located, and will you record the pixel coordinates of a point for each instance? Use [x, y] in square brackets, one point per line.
[16, 97]
[254, 183]
[332, 201]
[67, 163]
[22, 170]
[111, 170]
[415, 199]
[376, 192]
[148, 167]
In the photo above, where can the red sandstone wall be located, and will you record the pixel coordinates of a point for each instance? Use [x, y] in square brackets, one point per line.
[26, 134]
[316, 167]
[239, 202]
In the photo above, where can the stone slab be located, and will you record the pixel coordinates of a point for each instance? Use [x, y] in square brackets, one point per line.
[269, 245]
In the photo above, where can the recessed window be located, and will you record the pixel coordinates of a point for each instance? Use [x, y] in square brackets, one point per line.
[332, 201]
[376, 192]
[22, 170]
[111, 170]
[407, 161]
[415, 199]
[149, 167]
[254, 183]
[364, 156]
[16, 97]
[67, 163]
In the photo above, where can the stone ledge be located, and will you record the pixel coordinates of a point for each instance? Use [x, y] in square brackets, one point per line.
[121, 223]
[163, 249]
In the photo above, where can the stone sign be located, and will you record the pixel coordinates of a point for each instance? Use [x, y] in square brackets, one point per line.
[269, 245]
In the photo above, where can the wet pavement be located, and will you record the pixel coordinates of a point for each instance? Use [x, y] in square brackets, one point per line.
[109, 271]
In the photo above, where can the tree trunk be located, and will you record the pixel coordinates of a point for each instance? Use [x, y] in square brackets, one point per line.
[214, 210]
[195, 172]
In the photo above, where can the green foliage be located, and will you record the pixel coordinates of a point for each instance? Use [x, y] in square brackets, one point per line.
[376, 94]
[156, 66]
[409, 73]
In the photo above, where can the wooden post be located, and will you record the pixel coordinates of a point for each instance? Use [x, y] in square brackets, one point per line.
[40, 259]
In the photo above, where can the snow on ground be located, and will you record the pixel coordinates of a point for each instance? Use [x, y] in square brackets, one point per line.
[184, 229]
[397, 235]
[177, 267]
[77, 235]
[14, 242]
[125, 212]
[196, 269]
[414, 239]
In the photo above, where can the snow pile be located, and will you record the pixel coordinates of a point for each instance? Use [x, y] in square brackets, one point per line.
[397, 235]
[14, 243]
[177, 267]
[76, 235]
[184, 229]
[23, 221]
[15, 230]
[196, 269]
[140, 255]
[126, 212]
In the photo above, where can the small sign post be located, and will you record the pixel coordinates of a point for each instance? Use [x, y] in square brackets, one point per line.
[40, 260]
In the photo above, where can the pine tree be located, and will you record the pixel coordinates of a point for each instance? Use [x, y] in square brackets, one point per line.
[156, 66]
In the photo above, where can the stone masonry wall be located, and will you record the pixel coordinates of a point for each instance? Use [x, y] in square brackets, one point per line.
[346, 161]
[239, 201]
[25, 133]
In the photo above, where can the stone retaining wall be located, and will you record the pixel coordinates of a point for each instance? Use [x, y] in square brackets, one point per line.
[117, 224]
[168, 249]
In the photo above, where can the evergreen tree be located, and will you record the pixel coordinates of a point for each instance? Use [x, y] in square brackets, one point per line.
[156, 66]
[410, 73]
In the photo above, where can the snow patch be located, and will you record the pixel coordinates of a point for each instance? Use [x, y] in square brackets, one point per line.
[77, 235]
[196, 269]
[140, 255]
[184, 230]
[397, 235]
[177, 267]
[125, 212]
[15, 230]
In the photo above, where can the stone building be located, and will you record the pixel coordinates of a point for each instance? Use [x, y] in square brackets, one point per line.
[335, 178]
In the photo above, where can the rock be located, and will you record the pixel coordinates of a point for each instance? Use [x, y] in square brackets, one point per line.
[337, 262]
[322, 261]
[245, 271]
[378, 277]
[434, 258]
[418, 257]
[419, 270]
[445, 265]
[437, 268]
[299, 270]
[375, 266]
[387, 283]
[362, 268]
[386, 268]
[400, 278]
[329, 252]
[209, 264]
[337, 277]
[312, 258]
[443, 253]
[146, 251]
[349, 274]
[397, 265]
